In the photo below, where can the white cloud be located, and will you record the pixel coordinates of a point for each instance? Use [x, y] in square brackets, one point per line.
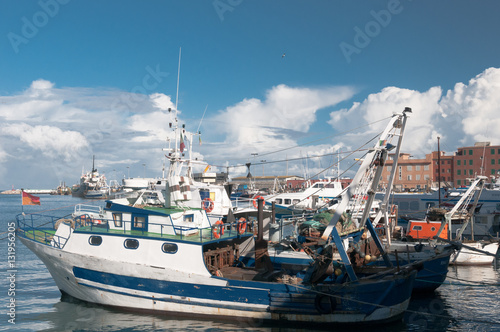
[161, 101]
[53, 125]
[475, 107]
[262, 125]
[40, 89]
[425, 108]
[464, 115]
[51, 141]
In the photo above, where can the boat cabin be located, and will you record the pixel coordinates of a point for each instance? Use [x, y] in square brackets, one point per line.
[425, 230]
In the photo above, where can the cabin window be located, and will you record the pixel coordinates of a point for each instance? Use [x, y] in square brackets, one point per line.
[295, 201]
[417, 228]
[403, 205]
[429, 205]
[117, 219]
[279, 201]
[169, 248]
[95, 240]
[131, 244]
[414, 206]
[480, 220]
[139, 222]
[189, 218]
[288, 201]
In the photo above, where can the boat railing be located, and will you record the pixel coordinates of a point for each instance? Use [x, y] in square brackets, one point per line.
[242, 202]
[41, 228]
[216, 231]
[79, 208]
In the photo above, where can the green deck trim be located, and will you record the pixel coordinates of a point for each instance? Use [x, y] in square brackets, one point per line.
[40, 235]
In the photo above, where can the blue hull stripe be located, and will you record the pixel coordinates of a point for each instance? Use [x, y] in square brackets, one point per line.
[172, 288]
[180, 301]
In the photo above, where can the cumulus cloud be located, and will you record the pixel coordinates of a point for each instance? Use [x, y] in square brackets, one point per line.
[474, 108]
[125, 129]
[390, 100]
[52, 141]
[462, 116]
[254, 123]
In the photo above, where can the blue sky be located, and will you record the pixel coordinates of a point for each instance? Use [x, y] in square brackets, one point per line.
[87, 77]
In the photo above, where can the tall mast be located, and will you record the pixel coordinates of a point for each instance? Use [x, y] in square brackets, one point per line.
[178, 74]
[439, 174]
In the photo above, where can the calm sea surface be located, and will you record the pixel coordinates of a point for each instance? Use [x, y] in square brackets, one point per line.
[470, 301]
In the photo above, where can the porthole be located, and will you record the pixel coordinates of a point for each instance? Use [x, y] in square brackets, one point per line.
[169, 248]
[433, 229]
[95, 240]
[131, 244]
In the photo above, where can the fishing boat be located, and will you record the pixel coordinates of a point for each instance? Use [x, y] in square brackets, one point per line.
[92, 185]
[415, 206]
[449, 225]
[173, 259]
[318, 195]
[369, 253]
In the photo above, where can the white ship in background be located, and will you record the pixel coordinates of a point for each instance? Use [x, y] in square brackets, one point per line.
[487, 212]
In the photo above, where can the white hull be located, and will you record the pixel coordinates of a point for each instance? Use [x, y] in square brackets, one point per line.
[466, 256]
[137, 183]
[61, 266]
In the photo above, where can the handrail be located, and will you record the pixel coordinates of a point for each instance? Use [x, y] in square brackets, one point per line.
[48, 238]
[84, 222]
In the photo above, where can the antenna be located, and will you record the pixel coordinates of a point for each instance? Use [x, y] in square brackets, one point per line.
[197, 130]
[178, 74]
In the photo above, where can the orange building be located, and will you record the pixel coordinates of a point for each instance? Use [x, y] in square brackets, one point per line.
[412, 174]
[480, 159]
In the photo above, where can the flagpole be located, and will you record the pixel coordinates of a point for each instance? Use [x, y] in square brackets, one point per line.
[22, 205]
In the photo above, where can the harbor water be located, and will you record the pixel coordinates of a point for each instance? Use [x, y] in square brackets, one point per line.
[468, 301]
